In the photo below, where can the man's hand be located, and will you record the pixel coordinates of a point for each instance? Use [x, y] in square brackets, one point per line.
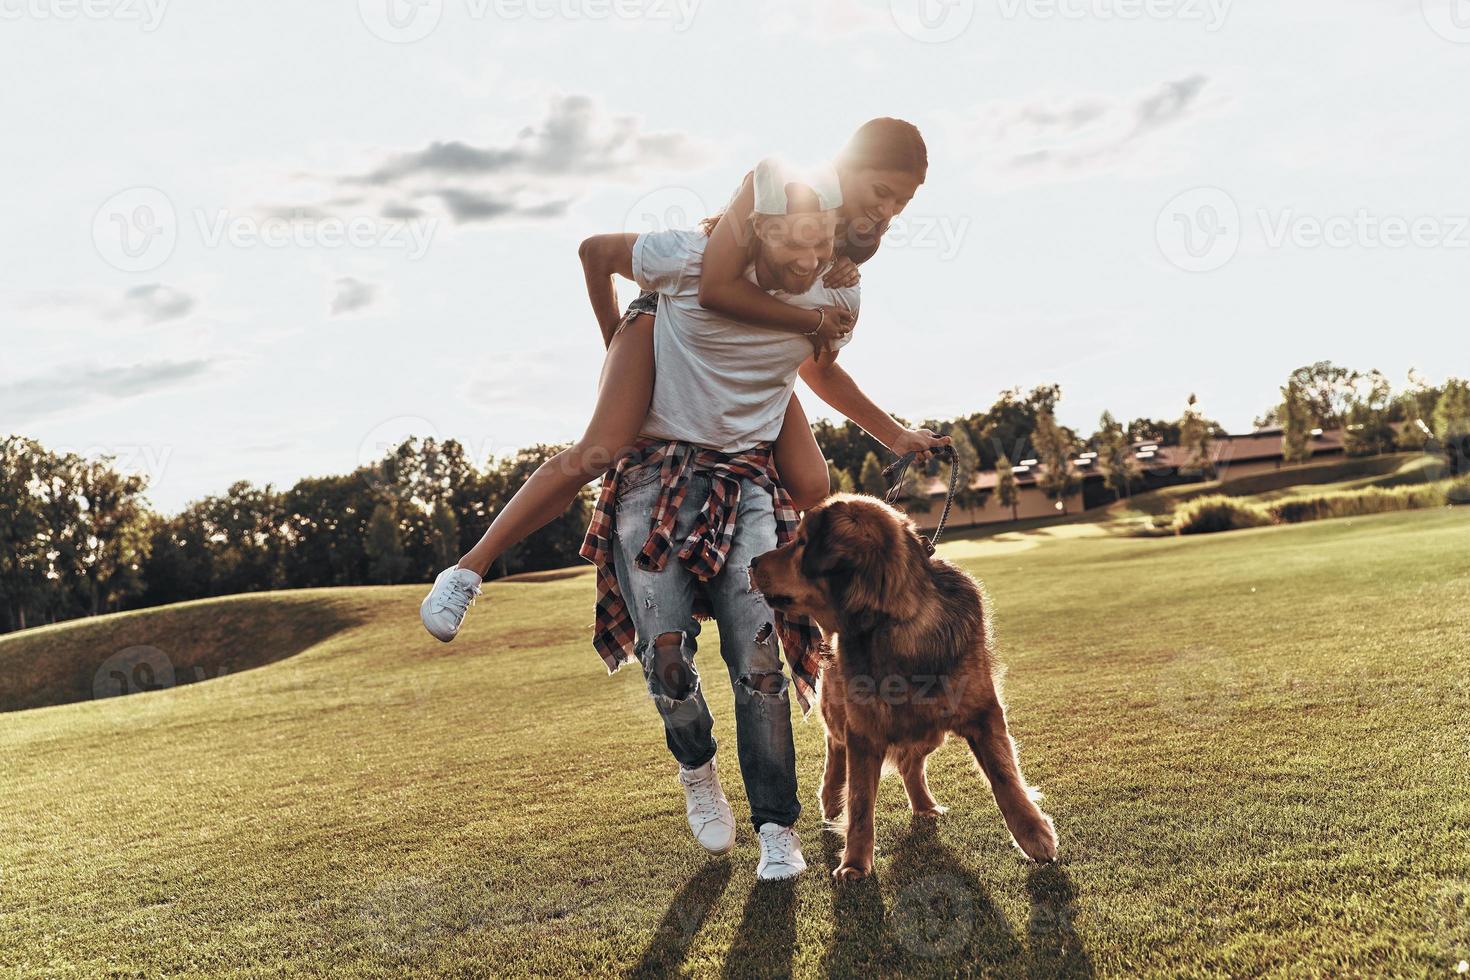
[844, 273]
[921, 441]
[836, 324]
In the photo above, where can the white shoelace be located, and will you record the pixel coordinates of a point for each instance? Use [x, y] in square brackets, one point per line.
[703, 791]
[461, 596]
[777, 845]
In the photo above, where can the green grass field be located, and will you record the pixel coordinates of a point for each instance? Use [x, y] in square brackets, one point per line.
[1255, 746]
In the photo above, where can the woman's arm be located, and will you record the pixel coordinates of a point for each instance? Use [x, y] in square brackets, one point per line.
[723, 287]
[604, 256]
[837, 388]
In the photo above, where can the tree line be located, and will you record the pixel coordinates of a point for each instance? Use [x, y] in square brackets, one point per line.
[79, 538]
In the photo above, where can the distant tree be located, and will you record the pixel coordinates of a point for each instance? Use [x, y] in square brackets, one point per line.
[966, 461]
[1115, 458]
[839, 479]
[1153, 430]
[1058, 480]
[871, 478]
[1327, 390]
[1369, 429]
[384, 546]
[1297, 422]
[1452, 424]
[445, 535]
[23, 563]
[113, 538]
[1194, 439]
[1006, 491]
[1006, 428]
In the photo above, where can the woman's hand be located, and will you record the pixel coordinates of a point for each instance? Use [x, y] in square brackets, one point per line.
[836, 324]
[924, 442]
[844, 273]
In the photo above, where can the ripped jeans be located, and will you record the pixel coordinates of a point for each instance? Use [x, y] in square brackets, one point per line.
[662, 603]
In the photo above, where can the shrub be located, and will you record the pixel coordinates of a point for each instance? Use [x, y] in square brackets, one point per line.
[1355, 503]
[1217, 512]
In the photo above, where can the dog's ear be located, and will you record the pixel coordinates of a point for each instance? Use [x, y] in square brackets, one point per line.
[819, 558]
[859, 538]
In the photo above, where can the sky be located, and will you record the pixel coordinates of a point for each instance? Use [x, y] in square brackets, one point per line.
[265, 241]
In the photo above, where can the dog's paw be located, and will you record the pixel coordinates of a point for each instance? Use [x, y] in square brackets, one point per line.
[1038, 839]
[932, 812]
[852, 872]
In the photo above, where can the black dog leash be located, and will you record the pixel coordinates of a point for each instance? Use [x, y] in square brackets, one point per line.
[899, 468]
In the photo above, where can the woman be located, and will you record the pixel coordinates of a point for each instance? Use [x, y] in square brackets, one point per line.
[880, 168]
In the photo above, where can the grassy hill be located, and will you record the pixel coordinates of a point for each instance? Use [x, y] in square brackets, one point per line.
[1254, 745]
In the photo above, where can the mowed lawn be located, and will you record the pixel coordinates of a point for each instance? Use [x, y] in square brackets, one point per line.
[1256, 747]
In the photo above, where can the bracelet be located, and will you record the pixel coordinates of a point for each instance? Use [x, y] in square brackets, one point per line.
[821, 319]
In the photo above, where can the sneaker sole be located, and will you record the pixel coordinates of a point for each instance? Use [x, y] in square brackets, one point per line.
[424, 619]
[794, 874]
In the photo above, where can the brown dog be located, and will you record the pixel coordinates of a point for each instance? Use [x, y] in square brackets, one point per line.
[911, 664]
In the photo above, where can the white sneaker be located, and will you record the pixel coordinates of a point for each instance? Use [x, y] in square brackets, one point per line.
[444, 607]
[707, 809]
[780, 853]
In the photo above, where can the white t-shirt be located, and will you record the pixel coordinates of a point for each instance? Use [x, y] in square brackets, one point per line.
[718, 382]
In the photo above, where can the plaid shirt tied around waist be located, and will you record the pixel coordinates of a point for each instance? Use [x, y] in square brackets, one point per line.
[703, 552]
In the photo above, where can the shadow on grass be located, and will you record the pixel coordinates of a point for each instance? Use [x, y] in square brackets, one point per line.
[941, 920]
[766, 940]
[692, 904]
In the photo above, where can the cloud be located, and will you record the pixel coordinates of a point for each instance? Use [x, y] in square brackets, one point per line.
[75, 387]
[152, 302]
[534, 175]
[576, 139]
[353, 295]
[1021, 142]
[155, 303]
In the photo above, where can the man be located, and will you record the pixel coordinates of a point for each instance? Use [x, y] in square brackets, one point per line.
[700, 487]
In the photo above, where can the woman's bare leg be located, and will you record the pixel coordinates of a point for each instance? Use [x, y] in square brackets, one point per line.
[623, 394]
[799, 460]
